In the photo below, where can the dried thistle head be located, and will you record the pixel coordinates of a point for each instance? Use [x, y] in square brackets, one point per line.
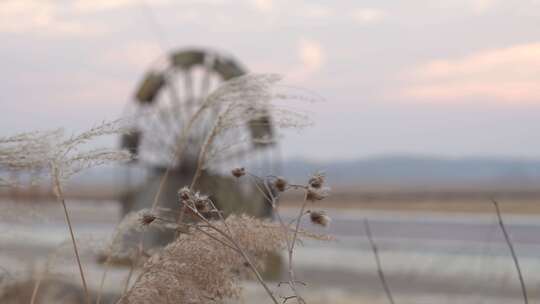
[281, 184]
[184, 194]
[202, 203]
[147, 218]
[238, 172]
[319, 218]
[317, 180]
[123, 245]
[317, 194]
[195, 201]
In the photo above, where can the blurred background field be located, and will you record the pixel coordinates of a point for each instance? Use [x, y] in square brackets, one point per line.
[438, 243]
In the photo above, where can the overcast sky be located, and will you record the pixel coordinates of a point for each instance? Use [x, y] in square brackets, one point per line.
[448, 77]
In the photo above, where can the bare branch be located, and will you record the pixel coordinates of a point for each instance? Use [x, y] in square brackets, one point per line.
[512, 252]
[378, 261]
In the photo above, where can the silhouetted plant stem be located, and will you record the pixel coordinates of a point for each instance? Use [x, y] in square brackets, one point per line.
[512, 251]
[60, 197]
[380, 272]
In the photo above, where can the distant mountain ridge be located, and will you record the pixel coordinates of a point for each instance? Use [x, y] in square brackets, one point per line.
[421, 170]
[393, 171]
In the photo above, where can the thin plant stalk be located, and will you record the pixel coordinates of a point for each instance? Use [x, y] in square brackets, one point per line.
[37, 285]
[182, 140]
[205, 147]
[132, 268]
[161, 185]
[102, 281]
[512, 251]
[107, 268]
[292, 276]
[272, 200]
[51, 259]
[36, 288]
[60, 197]
[380, 272]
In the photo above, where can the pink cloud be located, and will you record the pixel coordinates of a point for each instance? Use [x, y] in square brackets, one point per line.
[43, 18]
[510, 75]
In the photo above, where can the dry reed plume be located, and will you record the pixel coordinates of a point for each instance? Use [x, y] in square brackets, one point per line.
[58, 155]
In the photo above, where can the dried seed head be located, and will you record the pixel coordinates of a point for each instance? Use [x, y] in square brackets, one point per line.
[238, 172]
[147, 218]
[317, 194]
[317, 180]
[281, 184]
[184, 194]
[319, 218]
[202, 203]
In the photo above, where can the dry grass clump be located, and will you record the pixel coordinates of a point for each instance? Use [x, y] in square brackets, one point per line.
[197, 268]
[210, 254]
